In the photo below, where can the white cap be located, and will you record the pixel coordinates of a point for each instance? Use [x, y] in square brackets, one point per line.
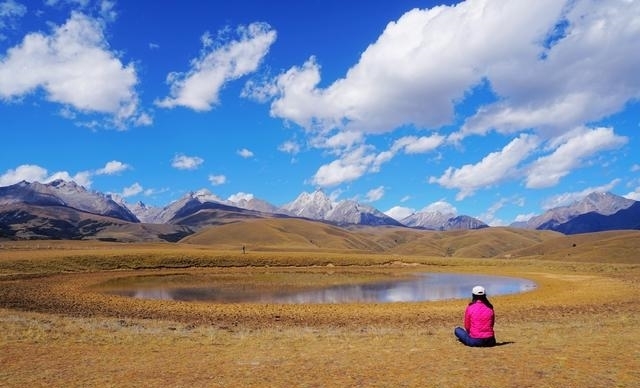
[478, 290]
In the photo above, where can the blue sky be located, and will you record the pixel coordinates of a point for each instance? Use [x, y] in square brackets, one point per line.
[494, 109]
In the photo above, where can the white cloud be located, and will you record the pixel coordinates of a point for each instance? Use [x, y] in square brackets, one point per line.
[441, 207]
[546, 79]
[132, 190]
[239, 197]
[635, 195]
[492, 169]
[337, 172]
[340, 140]
[588, 73]
[289, 147]
[245, 153]
[184, 162]
[10, 12]
[375, 194]
[355, 159]
[78, 3]
[418, 145]
[565, 199]
[63, 63]
[143, 120]
[34, 173]
[199, 88]
[25, 172]
[217, 180]
[107, 10]
[113, 167]
[418, 68]
[350, 166]
[399, 212]
[572, 149]
[524, 217]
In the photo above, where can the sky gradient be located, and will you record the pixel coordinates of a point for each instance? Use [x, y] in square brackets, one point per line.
[498, 110]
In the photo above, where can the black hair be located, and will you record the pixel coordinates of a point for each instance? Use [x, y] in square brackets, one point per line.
[481, 298]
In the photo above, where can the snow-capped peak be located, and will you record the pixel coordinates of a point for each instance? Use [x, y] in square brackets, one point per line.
[314, 205]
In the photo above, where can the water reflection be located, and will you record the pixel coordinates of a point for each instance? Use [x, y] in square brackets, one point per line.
[424, 287]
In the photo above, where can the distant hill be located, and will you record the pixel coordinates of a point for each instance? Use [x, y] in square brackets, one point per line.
[64, 194]
[605, 204]
[617, 246]
[282, 234]
[65, 210]
[442, 221]
[29, 222]
[398, 242]
[307, 235]
[628, 218]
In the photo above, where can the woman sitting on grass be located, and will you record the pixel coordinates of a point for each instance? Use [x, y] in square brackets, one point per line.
[478, 321]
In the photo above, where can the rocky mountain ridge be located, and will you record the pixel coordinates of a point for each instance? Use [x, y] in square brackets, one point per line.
[36, 210]
[602, 203]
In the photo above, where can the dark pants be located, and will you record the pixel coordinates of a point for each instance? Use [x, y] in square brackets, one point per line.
[464, 337]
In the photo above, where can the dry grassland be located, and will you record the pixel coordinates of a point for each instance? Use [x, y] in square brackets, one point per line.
[579, 328]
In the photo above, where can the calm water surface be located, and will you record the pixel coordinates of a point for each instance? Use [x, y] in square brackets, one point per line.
[424, 287]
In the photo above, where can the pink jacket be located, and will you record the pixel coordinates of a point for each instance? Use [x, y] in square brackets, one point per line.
[478, 320]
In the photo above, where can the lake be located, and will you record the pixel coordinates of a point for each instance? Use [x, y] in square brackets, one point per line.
[421, 287]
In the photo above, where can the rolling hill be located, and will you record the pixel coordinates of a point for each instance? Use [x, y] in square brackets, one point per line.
[282, 234]
[293, 234]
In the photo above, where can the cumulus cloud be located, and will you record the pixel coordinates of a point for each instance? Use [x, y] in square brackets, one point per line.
[356, 160]
[350, 166]
[200, 86]
[571, 152]
[35, 173]
[492, 169]
[289, 147]
[635, 195]
[587, 72]
[245, 153]
[239, 197]
[132, 190]
[25, 172]
[113, 167]
[184, 162]
[217, 180]
[418, 145]
[550, 66]
[419, 67]
[64, 62]
[442, 207]
[429, 60]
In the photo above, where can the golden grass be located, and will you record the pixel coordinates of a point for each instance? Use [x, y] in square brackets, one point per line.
[577, 329]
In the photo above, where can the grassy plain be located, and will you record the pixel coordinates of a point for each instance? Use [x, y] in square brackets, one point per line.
[579, 328]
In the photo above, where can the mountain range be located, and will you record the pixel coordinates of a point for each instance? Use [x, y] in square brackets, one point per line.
[65, 210]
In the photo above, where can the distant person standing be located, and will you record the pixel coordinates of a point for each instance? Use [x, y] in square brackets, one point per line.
[478, 321]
